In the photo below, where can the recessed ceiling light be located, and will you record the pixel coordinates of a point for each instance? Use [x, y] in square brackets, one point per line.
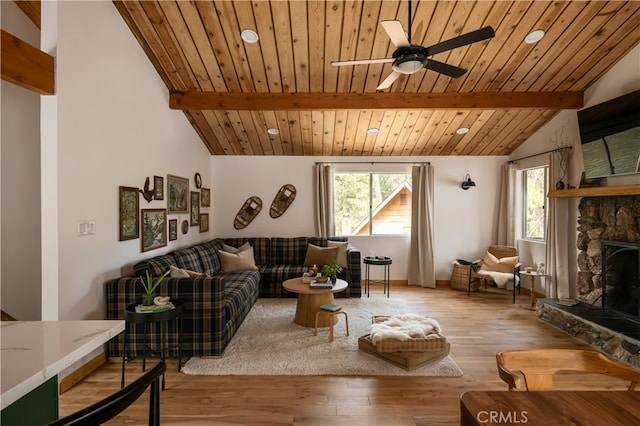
[372, 131]
[462, 130]
[273, 131]
[249, 36]
[534, 37]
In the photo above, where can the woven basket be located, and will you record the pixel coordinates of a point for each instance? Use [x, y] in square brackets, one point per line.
[438, 343]
[460, 278]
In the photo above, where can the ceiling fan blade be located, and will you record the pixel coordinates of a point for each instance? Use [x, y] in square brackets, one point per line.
[463, 40]
[389, 80]
[396, 33]
[362, 62]
[445, 69]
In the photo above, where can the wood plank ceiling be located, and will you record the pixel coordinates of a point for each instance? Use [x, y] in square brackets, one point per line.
[286, 80]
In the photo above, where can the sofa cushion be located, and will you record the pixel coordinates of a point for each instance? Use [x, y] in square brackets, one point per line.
[188, 258]
[288, 251]
[209, 255]
[185, 273]
[156, 265]
[241, 261]
[320, 255]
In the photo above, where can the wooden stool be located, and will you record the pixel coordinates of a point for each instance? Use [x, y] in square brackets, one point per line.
[332, 311]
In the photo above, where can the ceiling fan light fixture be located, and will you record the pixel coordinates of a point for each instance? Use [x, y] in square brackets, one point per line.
[409, 64]
[249, 36]
[273, 131]
[534, 37]
[462, 130]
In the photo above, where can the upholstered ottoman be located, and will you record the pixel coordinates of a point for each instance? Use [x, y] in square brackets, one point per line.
[394, 347]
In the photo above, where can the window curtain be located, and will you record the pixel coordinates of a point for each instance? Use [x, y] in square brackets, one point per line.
[323, 199]
[506, 229]
[421, 263]
[556, 256]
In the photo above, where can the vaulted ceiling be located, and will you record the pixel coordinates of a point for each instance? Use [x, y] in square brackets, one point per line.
[232, 91]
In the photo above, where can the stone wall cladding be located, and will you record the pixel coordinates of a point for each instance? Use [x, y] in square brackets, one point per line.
[602, 218]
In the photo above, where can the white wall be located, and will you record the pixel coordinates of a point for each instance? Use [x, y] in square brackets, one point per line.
[464, 220]
[20, 281]
[623, 78]
[115, 128]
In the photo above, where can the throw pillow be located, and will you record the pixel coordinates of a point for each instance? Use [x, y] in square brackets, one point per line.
[185, 273]
[317, 255]
[241, 261]
[505, 264]
[231, 249]
[341, 257]
[178, 273]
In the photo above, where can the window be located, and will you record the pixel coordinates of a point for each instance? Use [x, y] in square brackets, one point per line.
[381, 199]
[535, 203]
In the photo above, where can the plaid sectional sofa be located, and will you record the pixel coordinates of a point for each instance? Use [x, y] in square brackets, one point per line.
[216, 305]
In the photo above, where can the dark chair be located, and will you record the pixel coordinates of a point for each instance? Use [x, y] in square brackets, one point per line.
[108, 408]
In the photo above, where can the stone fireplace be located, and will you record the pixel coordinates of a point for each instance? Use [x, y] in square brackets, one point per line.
[611, 219]
[608, 245]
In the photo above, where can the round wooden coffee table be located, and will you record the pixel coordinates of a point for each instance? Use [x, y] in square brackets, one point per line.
[310, 300]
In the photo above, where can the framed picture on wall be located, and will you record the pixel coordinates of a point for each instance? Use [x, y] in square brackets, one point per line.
[178, 192]
[158, 187]
[173, 229]
[204, 222]
[205, 197]
[129, 208]
[154, 229]
[195, 208]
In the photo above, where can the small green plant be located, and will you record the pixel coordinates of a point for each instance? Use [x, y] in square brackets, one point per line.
[150, 284]
[331, 270]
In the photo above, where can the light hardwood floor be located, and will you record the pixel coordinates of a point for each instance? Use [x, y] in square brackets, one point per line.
[477, 327]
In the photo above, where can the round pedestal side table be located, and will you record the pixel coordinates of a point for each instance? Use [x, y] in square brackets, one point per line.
[159, 319]
[383, 261]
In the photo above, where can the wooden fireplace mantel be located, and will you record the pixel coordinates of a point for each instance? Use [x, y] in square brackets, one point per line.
[600, 191]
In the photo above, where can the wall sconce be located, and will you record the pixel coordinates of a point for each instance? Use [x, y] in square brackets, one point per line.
[468, 183]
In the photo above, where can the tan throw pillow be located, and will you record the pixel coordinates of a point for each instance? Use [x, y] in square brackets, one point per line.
[241, 261]
[177, 272]
[492, 263]
[319, 256]
[341, 257]
[185, 273]
[231, 249]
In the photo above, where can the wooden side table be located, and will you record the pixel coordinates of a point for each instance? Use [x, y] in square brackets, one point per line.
[533, 275]
[383, 261]
[161, 318]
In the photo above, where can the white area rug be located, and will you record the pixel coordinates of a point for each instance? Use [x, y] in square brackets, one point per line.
[270, 343]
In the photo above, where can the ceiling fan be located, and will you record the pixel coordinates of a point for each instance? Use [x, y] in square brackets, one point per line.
[410, 58]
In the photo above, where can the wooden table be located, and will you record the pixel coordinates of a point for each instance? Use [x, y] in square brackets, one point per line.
[577, 408]
[533, 275]
[310, 300]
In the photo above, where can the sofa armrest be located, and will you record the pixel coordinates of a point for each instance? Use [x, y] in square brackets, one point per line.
[203, 322]
[354, 271]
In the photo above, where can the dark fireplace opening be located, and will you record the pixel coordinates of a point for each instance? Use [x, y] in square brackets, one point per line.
[621, 278]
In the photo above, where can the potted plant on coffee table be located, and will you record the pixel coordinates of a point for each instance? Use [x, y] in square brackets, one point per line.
[150, 284]
[332, 271]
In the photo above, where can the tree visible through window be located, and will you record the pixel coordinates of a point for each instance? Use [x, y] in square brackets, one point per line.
[535, 198]
[383, 199]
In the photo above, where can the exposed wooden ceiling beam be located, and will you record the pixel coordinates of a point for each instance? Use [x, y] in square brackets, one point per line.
[32, 9]
[369, 101]
[26, 65]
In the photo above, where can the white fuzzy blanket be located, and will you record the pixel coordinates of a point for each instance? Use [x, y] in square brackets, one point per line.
[404, 327]
[500, 278]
